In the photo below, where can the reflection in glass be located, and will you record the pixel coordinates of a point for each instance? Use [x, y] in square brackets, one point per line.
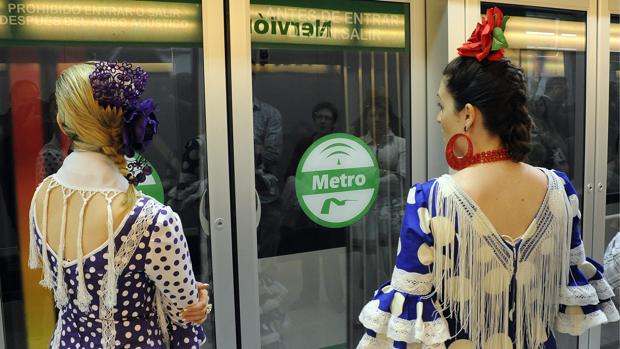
[550, 47]
[304, 278]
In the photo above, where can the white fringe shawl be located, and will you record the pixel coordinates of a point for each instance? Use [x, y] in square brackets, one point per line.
[57, 283]
[474, 284]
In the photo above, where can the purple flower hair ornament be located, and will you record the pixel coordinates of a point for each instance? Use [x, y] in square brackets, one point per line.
[140, 126]
[119, 85]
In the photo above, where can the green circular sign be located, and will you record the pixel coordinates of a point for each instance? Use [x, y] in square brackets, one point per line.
[337, 180]
[152, 186]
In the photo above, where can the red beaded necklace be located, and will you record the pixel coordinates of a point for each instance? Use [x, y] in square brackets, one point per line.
[490, 156]
[459, 163]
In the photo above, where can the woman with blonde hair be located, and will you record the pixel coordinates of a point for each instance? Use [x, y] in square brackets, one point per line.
[490, 257]
[116, 260]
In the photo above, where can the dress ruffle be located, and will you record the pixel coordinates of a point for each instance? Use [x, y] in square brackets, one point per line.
[402, 317]
[587, 300]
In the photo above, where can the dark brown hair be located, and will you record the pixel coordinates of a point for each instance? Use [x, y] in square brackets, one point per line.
[498, 90]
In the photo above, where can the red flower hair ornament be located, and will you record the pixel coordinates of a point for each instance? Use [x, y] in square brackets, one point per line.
[487, 40]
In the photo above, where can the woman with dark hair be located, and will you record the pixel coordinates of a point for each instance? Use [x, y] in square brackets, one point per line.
[491, 256]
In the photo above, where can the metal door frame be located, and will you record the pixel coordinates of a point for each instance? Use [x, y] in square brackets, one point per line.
[243, 144]
[215, 100]
[602, 122]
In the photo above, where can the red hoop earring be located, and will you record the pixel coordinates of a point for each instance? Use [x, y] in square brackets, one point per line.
[455, 162]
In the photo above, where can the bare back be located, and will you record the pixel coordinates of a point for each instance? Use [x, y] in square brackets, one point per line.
[95, 219]
[510, 195]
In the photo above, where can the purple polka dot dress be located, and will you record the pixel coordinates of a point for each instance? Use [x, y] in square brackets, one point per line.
[128, 294]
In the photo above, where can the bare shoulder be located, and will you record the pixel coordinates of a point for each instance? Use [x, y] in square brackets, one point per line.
[535, 174]
[39, 194]
[493, 178]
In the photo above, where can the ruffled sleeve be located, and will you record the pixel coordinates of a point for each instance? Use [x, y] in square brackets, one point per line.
[403, 310]
[586, 300]
[168, 264]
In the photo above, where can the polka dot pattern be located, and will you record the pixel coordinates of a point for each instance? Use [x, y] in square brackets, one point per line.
[496, 281]
[169, 266]
[526, 272]
[161, 262]
[588, 270]
[462, 344]
[426, 254]
[459, 287]
[498, 341]
[425, 220]
[443, 231]
[396, 307]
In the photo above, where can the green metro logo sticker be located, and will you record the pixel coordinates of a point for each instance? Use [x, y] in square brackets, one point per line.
[337, 180]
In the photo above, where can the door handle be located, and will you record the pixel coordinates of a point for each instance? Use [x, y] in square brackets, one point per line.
[204, 221]
[258, 210]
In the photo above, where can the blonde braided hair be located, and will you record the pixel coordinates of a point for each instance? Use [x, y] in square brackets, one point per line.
[90, 126]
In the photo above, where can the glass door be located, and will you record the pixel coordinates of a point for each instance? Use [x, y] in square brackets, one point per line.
[39, 41]
[330, 91]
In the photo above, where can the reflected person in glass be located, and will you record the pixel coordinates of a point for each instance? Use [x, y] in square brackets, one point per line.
[51, 155]
[309, 236]
[383, 223]
[267, 153]
[116, 260]
[551, 133]
[490, 256]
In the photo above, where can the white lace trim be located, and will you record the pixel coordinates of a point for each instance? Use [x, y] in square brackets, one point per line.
[575, 325]
[161, 318]
[398, 329]
[574, 203]
[374, 318]
[370, 342]
[125, 252]
[603, 289]
[577, 255]
[411, 282]
[34, 259]
[382, 342]
[433, 332]
[57, 331]
[578, 295]
[609, 309]
[129, 247]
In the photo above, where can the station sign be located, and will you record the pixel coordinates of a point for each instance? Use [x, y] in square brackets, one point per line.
[357, 24]
[273, 23]
[337, 180]
[101, 22]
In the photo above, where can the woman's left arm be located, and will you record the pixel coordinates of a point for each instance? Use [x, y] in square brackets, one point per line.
[169, 265]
